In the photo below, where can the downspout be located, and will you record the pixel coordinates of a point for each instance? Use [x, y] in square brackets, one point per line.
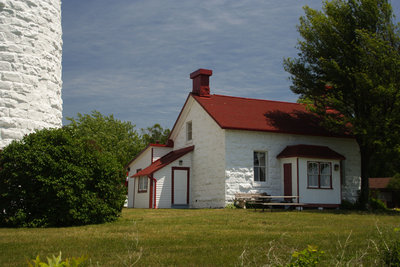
[155, 191]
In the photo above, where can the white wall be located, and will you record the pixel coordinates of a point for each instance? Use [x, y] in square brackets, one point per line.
[164, 181]
[30, 67]
[141, 162]
[208, 172]
[141, 200]
[159, 152]
[319, 196]
[240, 146]
[131, 192]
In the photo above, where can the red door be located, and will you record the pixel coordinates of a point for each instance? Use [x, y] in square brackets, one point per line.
[287, 179]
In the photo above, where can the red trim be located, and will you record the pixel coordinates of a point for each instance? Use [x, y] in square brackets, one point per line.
[309, 151]
[298, 191]
[164, 161]
[187, 169]
[159, 145]
[287, 179]
[155, 191]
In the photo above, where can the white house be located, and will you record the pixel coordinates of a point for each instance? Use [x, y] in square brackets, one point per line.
[222, 145]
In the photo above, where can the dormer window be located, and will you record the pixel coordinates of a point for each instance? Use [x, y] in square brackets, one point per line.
[189, 131]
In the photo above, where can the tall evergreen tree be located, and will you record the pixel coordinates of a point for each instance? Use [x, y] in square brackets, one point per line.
[349, 61]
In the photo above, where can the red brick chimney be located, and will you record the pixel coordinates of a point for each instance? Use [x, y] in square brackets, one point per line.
[201, 82]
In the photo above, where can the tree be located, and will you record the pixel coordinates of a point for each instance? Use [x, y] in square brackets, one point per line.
[349, 64]
[155, 134]
[109, 134]
[58, 178]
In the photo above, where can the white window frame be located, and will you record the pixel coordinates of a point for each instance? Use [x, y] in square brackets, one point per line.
[259, 175]
[320, 175]
[189, 131]
[143, 184]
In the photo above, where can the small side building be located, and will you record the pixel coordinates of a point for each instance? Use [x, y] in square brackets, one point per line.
[379, 189]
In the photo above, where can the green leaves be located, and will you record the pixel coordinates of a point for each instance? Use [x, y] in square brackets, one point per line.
[107, 133]
[354, 47]
[53, 178]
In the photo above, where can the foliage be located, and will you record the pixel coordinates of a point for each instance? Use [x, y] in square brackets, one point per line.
[56, 177]
[394, 183]
[309, 256]
[377, 204]
[391, 257]
[391, 249]
[57, 262]
[154, 134]
[230, 206]
[347, 205]
[348, 65]
[111, 135]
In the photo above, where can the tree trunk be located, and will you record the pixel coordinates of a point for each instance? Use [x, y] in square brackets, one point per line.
[365, 161]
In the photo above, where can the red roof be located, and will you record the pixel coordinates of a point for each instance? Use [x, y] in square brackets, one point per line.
[262, 115]
[309, 151]
[164, 161]
[378, 183]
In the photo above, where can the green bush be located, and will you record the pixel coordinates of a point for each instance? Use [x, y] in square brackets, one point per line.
[57, 262]
[307, 257]
[377, 204]
[57, 178]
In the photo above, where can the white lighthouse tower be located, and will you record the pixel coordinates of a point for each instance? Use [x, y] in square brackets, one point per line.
[30, 67]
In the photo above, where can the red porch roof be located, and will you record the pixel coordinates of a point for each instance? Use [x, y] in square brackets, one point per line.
[262, 115]
[164, 161]
[309, 151]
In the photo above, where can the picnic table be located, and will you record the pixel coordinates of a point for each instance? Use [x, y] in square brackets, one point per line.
[266, 201]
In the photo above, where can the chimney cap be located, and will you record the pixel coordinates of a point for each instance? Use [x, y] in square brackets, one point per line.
[200, 72]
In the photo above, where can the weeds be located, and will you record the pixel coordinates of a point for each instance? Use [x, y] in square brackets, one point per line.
[133, 250]
[57, 262]
[382, 252]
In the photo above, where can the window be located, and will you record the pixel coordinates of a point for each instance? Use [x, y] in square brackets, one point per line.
[260, 167]
[319, 174]
[142, 184]
[189, 131]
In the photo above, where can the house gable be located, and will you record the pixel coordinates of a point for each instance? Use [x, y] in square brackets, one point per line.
[228, 135]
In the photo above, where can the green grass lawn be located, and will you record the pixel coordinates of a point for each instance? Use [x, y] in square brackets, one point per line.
[209, 237]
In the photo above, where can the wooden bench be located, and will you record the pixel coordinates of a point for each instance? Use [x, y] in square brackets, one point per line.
[263, 201]
[242, 198]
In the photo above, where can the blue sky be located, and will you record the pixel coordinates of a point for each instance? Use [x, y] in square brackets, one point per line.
[133, 58]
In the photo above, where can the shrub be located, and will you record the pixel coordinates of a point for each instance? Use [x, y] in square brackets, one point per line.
[230, 206]
[377, 204]
[57, 262]
[307, 257]
[56, 178]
